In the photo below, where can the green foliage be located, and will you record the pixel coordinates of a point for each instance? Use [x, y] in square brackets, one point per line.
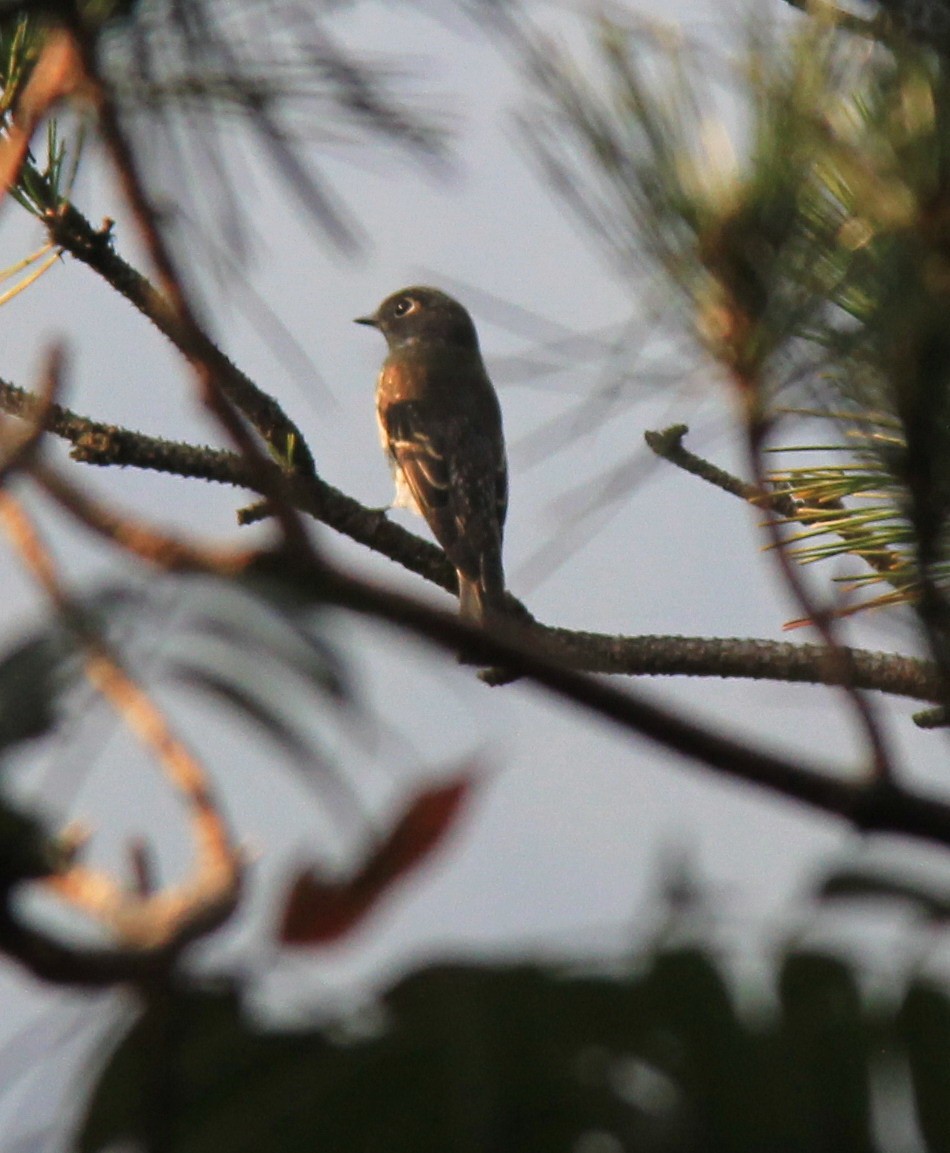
[20, 43]
[657, 1057]
[853, 506]
[806, 240]
[42, 191]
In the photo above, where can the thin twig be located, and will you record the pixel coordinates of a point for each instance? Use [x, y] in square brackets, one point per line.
[162, 549]
[74, 234]
[196, 346]
[668, 444]
[169, 919]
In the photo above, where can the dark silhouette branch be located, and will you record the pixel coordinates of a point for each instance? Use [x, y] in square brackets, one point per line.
[73, 233]
[873, 803]
[50, 960]
[214, 374]
[152, 925]
[133, 535]
[103, 444]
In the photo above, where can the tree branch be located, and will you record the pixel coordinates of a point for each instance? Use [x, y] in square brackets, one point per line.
[875, 803]
[72, 232]
[158, 924]
[103, 444]
[668, 444]
[741, 658]
[215, 376]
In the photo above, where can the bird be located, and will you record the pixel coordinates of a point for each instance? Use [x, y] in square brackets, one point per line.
[440, 425]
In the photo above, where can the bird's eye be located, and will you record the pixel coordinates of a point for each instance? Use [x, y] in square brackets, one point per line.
[404, 306]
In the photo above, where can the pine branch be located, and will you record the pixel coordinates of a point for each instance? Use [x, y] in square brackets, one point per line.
[102, 444]
[668, 444]
[72, 232]
[220, 388]
[866, 802]
[740, 658]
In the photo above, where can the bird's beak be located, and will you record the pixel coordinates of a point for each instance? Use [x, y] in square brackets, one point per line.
[370, 320]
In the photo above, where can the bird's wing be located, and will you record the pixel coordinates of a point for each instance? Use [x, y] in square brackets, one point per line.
[449, 466]
[418, 446]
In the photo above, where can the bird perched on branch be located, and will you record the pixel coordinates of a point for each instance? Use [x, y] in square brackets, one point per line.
[440, 424]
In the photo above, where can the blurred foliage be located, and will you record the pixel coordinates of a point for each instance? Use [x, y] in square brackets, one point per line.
[38, 190]
[660, 1053]
[320, 911]
[656, 1057]
[184, 73]
[209, 636]
[26, 848]
[805, 240]
[33, 679]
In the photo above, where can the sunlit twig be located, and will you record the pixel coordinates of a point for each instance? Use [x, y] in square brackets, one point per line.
[171, 918]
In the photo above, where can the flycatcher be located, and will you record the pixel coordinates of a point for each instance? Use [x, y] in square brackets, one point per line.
[440, 425]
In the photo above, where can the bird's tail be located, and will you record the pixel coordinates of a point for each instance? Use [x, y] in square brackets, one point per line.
[483, 596]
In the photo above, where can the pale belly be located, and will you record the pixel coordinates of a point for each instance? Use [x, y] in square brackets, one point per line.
[403, 497]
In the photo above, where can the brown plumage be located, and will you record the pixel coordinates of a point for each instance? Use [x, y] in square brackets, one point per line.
[440, 424]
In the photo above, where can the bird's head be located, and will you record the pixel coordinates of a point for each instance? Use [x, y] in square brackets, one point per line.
[419, 315]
